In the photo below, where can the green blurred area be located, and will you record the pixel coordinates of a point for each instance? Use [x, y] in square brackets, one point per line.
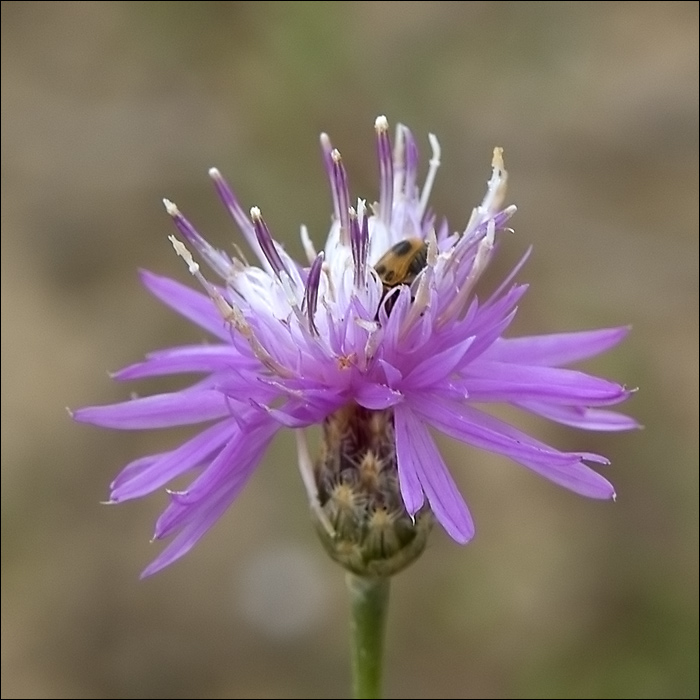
[108, 107]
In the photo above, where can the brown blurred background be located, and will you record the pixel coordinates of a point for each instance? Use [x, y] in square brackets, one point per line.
[107, 107]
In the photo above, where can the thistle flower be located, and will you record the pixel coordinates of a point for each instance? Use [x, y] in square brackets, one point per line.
[348, 343]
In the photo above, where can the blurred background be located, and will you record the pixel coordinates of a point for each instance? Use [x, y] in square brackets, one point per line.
[109, 106]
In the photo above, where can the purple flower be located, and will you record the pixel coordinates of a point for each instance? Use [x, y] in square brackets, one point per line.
[296, 343]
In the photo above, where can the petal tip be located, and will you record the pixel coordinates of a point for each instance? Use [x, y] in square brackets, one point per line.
[464, 537]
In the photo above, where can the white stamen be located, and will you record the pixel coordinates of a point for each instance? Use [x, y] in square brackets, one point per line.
[171, 208]
[307, 244]
[495, 192]
[497, 184]
[497, 159]
[432, 172]
[182, 251]
[381, 123]
[255, 214]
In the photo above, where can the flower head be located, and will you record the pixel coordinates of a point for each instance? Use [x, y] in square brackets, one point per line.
[384, 320]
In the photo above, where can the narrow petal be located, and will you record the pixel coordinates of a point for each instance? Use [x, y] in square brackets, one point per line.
[267, 243]
[582, 417]
[181, 512]
[443, 495]
[470, 425]
[197, 527]
[386, 169]
[152, 474]
[326, 150]
[193, 305]
[158, 411]
[438, 366]
[503, 381]
[511, 275]
[187, 359]
[218, 260]
[576, 477]
[557, 348]
[133, 469]
[411, 176]
[486, 336]
[235, 210]
[285, 417]
[311, 291]
[481, 430]
[409, 482]
[342, 195]
[244, 448]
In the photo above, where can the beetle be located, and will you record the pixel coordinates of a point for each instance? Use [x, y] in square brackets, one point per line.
[401, 264]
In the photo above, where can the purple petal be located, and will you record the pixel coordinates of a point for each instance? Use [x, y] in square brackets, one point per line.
[242, 452]
[481, 430]
[576, 477]
[411, 162]
[438, 366]
[133, 469]
[359, 242]
[386, 170]
[511, 276]
[499, 307]
[287, 418]
[342, 195]
[582, 417]
[235, 209]
[193, 305]
[377, 397]
[409, 482]
[208, 513]
[556, 348]
[267, 243]
[311, 291]
[503, 381]
[326, 151]
[470, 425]
[300, 413]
[419, 450]
[486, 336]
[187, 359]
[393, 375]
[158, 411]
[151, 474]
[218, 260]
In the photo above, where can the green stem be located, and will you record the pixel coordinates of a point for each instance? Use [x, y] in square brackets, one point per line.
[369, 602]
